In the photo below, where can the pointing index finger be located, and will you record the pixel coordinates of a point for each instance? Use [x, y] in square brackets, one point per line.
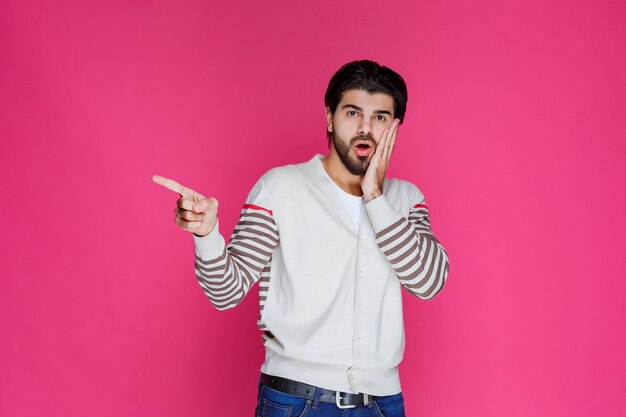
[169, 184]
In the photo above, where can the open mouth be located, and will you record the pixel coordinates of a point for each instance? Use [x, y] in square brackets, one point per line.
[362, 148]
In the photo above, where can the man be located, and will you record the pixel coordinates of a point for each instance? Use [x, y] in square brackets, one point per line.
[332, 242]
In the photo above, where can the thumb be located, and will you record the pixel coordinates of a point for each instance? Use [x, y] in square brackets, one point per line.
[200, 206]
[205, 204]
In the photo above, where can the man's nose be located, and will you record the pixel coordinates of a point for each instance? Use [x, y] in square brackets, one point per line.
[365, 127]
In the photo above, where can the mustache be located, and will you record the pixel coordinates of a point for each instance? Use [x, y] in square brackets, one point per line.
[363, 138]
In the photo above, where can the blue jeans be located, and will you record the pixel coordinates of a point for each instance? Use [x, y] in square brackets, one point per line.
[272, 403]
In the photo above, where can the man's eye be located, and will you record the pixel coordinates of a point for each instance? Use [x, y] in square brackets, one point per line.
[381, 118]
[352, 113]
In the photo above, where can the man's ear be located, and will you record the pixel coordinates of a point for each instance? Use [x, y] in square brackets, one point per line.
[329, 120]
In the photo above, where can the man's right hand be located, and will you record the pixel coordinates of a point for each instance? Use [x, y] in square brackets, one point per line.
[195, 213]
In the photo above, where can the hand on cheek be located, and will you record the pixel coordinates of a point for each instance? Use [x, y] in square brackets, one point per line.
[372, 181]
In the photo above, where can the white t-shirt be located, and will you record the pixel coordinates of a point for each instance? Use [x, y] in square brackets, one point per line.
[354, 204]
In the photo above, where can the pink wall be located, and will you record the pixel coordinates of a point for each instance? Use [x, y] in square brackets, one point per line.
[514, 131]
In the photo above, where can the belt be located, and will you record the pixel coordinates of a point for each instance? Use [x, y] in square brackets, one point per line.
[302, 390]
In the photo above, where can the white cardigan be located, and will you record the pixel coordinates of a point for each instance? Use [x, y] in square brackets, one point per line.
[330, 301]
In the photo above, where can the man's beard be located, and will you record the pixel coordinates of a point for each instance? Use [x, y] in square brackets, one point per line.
[359, 165]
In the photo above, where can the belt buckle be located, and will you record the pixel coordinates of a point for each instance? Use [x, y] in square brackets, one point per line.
[338, 401]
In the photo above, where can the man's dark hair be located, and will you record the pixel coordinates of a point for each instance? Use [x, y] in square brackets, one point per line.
[371, 77]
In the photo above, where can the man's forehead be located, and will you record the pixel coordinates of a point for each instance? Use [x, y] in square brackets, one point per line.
[364, 99]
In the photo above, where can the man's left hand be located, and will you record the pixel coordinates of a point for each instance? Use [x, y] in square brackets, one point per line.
[372, 181]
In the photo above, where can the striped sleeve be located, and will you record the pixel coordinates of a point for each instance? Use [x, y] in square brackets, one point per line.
[227, 272]
[415, 254]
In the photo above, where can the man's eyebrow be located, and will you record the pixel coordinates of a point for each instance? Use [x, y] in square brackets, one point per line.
[352, 106]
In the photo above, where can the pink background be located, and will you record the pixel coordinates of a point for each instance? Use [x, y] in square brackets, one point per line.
[514, 132]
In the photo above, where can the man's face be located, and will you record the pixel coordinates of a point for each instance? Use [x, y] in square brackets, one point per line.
[357, 126]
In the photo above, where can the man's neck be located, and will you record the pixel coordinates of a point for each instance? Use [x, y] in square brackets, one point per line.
[340, 175]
